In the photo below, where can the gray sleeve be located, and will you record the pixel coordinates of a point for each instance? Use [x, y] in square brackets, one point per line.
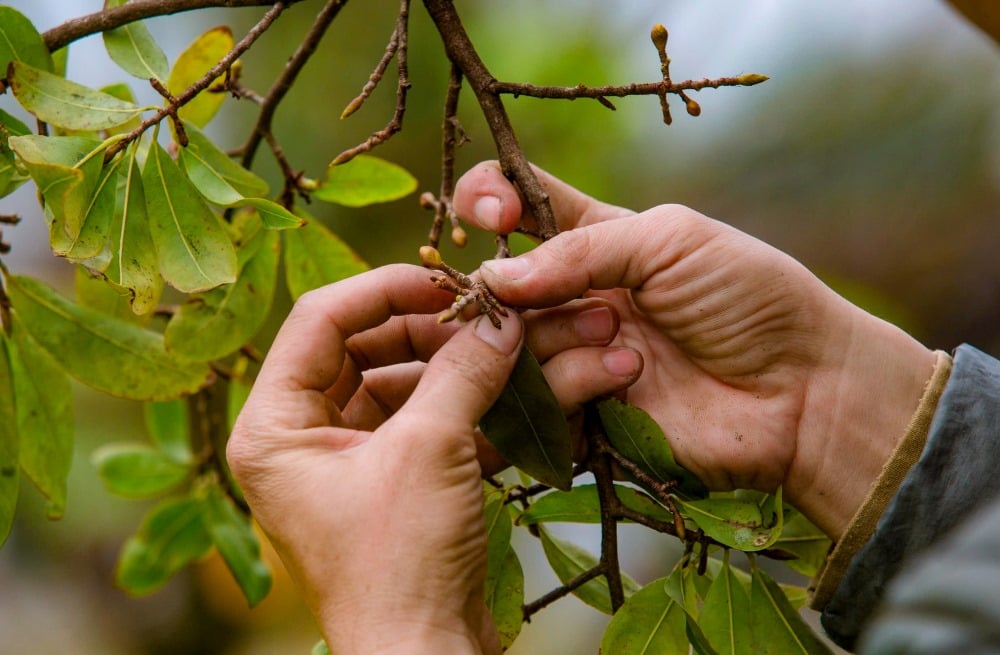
[955, 476]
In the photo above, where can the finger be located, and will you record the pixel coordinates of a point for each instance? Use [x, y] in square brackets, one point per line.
[582, 374]
[624, 253]
[308, 352]
[586, 322]
[382, 393]
[487, 199]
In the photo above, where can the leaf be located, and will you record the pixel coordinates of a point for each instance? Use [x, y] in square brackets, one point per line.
[365, 180]
[109, 355]
[20, 41]
[136, 470]
[215, 323]
[132, 47]
[191, 65]
[320, 648]
[134, 267]
[11, 177]
[231, 532]
[498, 532]
[504, 576]
[315, 256]
[44, 417]
[777, 628]
[168, 428]
[194, 251]
[79, 244]
[569, 560]
[735, 522]
[581, 504]
[220, 179]
[172, 535]
[239, 391]
[725, 614]
[66, 104]
[9, 443]
[649, 623]
[122, 92]
[800, 537]
[527, 426]
[638, 437]
[273, 215]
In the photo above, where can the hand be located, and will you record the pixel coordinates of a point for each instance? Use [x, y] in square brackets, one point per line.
[359, 461]
[759, 374]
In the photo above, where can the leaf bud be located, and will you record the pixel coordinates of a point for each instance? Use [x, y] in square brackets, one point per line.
[693, 107]
[428, 200]
[307, 183]
[430, 257]
[659, 36]
[459, 237]
[752, 78]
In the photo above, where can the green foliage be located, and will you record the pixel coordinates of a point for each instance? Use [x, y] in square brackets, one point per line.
[315, 256]
[9, 443]
[191, 65]
[569, 560]
[649, 622]
[133, 48]
[20, 41]
[504, 577]
[365, 180]
[582, 505]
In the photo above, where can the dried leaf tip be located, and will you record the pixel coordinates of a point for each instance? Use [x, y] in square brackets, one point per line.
[659, 36]
[752, 78]
[430, 257]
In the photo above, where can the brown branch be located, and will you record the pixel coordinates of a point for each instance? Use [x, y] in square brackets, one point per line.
[376, 76]
[402, 87]
[547, 599]
[621, 91]
[189, 94]
[284, 82]
[514, 164]
[601, 468]
[112, 17]
[450, 139]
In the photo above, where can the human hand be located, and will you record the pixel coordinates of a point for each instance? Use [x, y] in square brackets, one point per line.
[759, 374]
[359, 461]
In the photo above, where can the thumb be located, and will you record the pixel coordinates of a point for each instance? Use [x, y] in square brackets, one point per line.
[464, 378]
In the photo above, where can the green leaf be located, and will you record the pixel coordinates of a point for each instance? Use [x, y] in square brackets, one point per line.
[504, 577]
[725, 615]
[122, 92]
[736, 522]
[215, 323]
[777, 628]
[638, 437]
[365, 180]
[220, 179]
[194, 251]
[581, 504]
[44, 417]
[136, 470]
[191, 65]
[91, 238]
[134, 267]
[320, 648]
[11, 177]
[239, 391]
[132, 47]
[9, 443]
[273, 215]
[315, 256]
[527, 426]
[67, 104]
[231, 532]
[172, 535]
[569, 560]
[800, 537]
[93, 292]
[20, 41]
[112, 356]
[649, 623]
[168, 426]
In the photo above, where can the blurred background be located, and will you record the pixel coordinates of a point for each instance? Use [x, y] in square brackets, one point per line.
[872, 155]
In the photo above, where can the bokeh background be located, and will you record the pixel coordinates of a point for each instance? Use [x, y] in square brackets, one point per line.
[872, 155]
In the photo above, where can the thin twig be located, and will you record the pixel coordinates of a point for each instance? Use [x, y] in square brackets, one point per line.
[620, 91]
[601, 469]
[547, 599]
[450, 130]
[375, 77]
[188, 94]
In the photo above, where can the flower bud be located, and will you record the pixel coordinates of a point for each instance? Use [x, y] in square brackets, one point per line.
[693, 107]
[459, 237]
[659, 36]
[751, 78]
[428, 200]
[430, 257]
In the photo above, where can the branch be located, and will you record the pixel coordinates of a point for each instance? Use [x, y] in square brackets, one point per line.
[544, 601]
[635, 89]
[203, 83]
[452, 136]
[514, 164]
[284, 82]
[112, 17]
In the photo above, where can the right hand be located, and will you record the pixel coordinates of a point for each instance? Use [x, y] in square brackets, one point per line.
[759, 374]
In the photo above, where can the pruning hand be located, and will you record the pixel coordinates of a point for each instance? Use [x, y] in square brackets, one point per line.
[759, 374]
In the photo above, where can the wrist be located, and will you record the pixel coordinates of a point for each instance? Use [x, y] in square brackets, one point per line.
[401, 639]
[858, 409]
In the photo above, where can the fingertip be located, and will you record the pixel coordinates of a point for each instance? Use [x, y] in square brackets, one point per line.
[487, 199]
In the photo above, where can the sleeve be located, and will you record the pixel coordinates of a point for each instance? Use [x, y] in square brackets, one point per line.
[954, 476]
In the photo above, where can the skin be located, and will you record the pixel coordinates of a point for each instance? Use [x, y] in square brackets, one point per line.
[357, 449]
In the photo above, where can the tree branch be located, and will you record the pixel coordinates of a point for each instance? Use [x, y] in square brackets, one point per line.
[112, 17]
[451, 137]
[544, 601]
[620, 91]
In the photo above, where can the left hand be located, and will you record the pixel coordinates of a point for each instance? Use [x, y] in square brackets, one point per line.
[369, 485]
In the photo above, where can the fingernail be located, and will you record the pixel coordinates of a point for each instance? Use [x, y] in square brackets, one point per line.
[512, 268]
[487, 211]
[594, 325]
[623, 362]
[504, 339]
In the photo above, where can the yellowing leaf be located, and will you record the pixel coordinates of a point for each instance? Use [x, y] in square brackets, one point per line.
[20, 41]
[9, 464]
[191, 65]
[112, 356]
[315, 256]
[87, 242]
[740, 523]
[365, 180]
[67, 104]
[194, 252]
[132, 47]
[44, 418]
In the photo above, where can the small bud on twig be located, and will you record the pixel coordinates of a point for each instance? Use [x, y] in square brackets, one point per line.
[659, 36]
[430, 257]
[428, 201]
[752, 78]
[459, 237]
[693, 108]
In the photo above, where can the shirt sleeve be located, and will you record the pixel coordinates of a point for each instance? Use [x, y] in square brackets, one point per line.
[955, 475]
